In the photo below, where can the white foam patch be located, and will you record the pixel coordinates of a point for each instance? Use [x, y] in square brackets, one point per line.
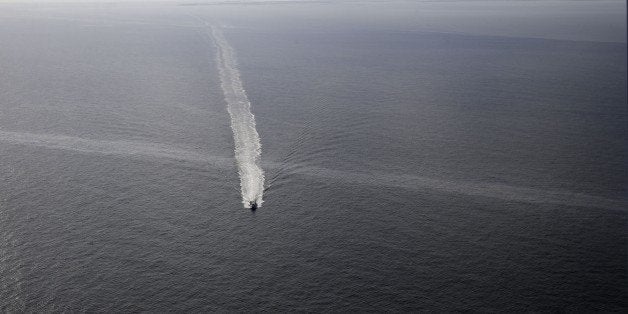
[246, 139]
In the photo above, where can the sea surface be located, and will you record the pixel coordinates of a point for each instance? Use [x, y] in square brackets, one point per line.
[416, 156]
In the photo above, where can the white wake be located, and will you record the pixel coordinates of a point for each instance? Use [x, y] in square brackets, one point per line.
[139, 149]
[247, 143]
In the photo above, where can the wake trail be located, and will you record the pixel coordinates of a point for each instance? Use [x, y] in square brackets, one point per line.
[127, 148]
[248, 147]
[142, 150]
[506, 192]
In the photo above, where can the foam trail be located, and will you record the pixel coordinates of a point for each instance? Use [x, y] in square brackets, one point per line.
[139, 149]
[531, 195]
[247, 143]
[127, 148]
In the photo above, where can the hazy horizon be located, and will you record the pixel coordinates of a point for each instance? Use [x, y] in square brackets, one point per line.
[585, 20]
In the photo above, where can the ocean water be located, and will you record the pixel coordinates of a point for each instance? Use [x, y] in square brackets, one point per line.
[413, 163]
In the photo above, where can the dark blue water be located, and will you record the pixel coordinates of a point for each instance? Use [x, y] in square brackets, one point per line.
[405, 169]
